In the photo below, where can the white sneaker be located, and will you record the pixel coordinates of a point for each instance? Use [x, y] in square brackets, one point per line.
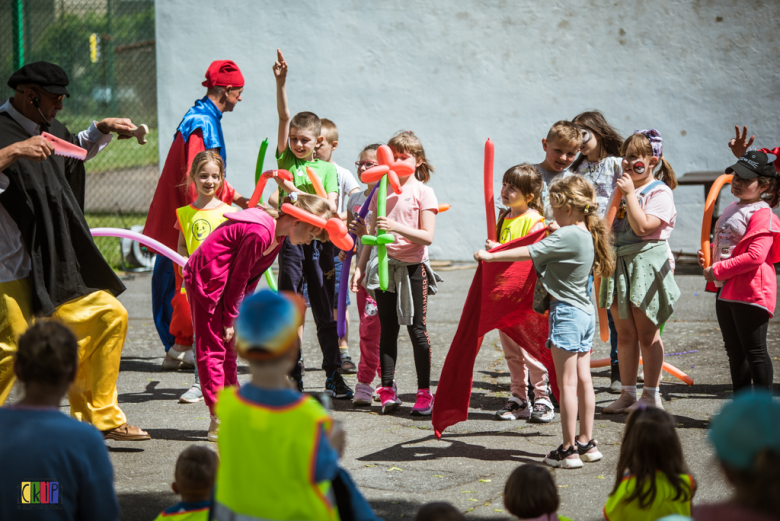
[213, 434]
[543, 412]
[175, 359]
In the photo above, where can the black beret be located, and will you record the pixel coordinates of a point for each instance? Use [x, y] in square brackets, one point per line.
[50, 77]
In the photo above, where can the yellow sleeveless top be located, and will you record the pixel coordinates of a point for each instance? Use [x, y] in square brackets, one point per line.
[517, 227]
[273, 450]
[618, 509]
[197, 224]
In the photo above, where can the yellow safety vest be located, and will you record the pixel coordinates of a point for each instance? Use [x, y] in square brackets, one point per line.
[512, 229]
[618, 509]
[267, 459]
[197, 224]
[192, 515]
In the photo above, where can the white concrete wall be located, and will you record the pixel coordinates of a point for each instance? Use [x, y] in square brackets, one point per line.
[458, 72]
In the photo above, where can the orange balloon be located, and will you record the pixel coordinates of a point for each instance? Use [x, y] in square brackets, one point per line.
[264, 177]
[402, 169]
[384, 156]
[315, 181]
[337, 230]
[374, 174]
[706, 221]
[392, 178]
[444, 207]
[669, 368]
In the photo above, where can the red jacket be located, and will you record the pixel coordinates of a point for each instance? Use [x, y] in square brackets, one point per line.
[749, 274]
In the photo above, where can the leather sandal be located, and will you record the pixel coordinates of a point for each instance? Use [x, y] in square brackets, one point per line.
[126, 432]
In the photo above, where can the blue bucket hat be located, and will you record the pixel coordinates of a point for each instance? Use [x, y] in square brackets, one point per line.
[744, 427]
[267, 324]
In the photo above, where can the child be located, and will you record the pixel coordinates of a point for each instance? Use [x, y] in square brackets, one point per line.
[652, 479]
[38, 442]
[224, 269]
[195, 222]
[411, 218]
[643, 281]
[279, 449]
[560, 147]
[368, 366]
[194, 481]
[438, 511]
[347, 186]
[746, 246]
[530, 493]
[564, 261]
[310, 264]
[744, 435]
[521, 192]
[600, 163]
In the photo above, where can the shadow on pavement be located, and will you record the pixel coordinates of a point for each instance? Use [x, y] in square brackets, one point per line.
[145, 505]
[178, 434]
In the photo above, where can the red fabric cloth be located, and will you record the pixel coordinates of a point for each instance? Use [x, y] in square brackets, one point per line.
[170, 194]
[501, 297]
[181, 318]
[223, 73]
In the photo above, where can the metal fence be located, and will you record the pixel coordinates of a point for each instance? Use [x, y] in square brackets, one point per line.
[107, 48]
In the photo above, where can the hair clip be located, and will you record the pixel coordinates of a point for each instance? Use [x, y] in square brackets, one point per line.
[293, 197]
[587, 207]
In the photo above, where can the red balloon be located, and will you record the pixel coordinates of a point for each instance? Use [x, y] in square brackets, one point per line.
[264, 177]
[374, 174]
[337, 230]
[402, 169]
[303, 215]
[392, 178]
[384, 156]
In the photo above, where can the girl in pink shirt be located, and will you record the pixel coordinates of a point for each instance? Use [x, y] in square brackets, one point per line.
[411, 218]
[224, 269]
[745, 247]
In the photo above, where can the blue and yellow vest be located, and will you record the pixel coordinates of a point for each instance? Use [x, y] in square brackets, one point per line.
[618, 509]
[186, 512]
[267, 460]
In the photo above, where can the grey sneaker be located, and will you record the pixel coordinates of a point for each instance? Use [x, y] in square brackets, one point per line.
[542, 412]
[347, 365]
[193, 395]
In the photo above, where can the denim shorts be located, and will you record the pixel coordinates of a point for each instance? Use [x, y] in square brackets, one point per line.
[571, 329]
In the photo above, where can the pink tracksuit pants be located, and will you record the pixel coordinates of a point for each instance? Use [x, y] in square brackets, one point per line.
[521, 363]
[368, 367]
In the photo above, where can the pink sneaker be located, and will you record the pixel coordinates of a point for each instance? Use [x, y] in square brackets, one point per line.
[389, 399]
[424, 404]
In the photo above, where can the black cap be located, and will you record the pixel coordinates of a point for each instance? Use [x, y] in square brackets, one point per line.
[50, 77]
[754, 163]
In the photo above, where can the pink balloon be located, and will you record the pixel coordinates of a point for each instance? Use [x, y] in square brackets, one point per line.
[140, 238]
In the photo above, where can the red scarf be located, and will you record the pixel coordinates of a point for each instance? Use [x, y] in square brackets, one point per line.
[501, 297]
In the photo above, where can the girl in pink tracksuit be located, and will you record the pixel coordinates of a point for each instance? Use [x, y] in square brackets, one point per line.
[746, 245]
[225, 268]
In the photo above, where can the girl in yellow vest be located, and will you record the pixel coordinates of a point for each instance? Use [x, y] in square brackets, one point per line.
[653, 479]
[194, 476]
[521, 193]
[195, 222]
[530, 494]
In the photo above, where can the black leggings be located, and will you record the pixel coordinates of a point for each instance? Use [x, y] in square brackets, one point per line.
[744, 330]
[418, 331]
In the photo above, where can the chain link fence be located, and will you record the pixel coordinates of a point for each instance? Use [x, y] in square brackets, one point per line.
[107, 48]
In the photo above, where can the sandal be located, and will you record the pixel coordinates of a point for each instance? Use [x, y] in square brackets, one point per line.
[562, 458]
[126, 432]
[589, 452]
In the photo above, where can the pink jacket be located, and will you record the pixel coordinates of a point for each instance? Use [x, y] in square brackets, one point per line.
[231, 260]
[749, 274]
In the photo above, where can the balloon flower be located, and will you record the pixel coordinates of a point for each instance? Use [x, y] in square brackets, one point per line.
[335, 227]
[387, 169]
[706, 222]
[257, 195]
[341, 322]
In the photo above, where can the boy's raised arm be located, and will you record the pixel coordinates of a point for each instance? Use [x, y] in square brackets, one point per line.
[280, 73]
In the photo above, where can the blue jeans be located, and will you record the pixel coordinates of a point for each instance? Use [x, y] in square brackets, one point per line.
[163, 288]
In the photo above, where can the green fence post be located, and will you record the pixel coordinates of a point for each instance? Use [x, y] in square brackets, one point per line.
[18, 33]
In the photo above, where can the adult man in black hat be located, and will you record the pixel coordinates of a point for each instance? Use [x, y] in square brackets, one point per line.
[50, 265]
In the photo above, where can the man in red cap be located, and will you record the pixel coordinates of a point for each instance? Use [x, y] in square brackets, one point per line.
[199, 130]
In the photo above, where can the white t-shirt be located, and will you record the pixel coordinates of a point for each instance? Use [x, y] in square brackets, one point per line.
[347, 183]
[603, 175]
[731, 228]
[354, 204]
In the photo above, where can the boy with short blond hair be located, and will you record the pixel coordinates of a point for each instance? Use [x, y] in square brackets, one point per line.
[309, 264]
[194, 476]
[347, 186]
[561, 147]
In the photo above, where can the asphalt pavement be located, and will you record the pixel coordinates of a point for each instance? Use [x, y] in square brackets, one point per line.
[396, 460]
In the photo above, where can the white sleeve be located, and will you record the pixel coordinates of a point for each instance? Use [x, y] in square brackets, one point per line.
[94, 140]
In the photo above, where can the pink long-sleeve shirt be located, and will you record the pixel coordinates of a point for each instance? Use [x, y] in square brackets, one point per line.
[231, 260]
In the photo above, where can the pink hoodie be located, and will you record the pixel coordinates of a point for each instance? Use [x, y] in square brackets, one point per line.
[749, 274]
[231, 260]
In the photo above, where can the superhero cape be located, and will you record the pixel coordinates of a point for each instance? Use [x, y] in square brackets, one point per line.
[501, 297]
[207, 117]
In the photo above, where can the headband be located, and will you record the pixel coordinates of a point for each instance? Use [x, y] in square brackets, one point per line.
[656, 141]
[337, 231]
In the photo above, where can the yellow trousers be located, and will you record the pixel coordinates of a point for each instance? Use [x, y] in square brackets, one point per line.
[15, 317]
[99, 322]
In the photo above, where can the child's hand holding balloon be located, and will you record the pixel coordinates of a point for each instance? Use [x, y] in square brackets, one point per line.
[342, 255]
[357, 280]
[701, 258]
[387, 225]
[358, 227]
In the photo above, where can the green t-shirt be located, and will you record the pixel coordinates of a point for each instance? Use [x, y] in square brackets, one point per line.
[564, 260]
[297, 167]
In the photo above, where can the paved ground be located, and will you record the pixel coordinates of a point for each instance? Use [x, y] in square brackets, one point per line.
[396, 460]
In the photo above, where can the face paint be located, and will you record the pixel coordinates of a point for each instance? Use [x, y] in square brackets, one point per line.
[639, 167]
[585, 135]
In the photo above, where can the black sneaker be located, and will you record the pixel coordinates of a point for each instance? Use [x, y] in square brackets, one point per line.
[515, 409]
[589, 452]
[564, 459]
[337, 387]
